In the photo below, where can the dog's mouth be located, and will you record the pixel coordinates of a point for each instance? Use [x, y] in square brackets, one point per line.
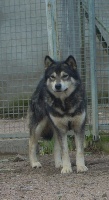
[59, 91]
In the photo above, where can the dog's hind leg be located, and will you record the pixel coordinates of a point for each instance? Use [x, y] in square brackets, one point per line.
[35, 134]
[33, 146]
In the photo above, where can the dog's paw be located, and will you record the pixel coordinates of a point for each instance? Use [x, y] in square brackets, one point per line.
[82, 169]
[36, 165]
[66, 169]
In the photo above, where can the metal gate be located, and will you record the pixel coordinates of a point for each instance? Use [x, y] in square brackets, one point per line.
[96, 50]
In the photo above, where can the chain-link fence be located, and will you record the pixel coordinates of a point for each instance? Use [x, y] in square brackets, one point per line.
[24, 43]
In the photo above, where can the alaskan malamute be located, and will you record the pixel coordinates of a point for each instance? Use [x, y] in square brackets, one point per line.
[57, 106]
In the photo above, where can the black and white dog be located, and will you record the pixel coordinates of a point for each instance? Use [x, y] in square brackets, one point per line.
[57, 106]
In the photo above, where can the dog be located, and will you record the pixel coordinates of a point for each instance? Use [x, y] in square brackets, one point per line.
[57, 106]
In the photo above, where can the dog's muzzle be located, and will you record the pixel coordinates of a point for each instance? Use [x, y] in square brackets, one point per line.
[58, 87]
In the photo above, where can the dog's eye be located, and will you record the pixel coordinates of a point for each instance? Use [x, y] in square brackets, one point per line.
[52, 77]
[65, 76]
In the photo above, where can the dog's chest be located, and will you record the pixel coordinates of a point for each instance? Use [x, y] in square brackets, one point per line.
[65, 114]
[61, 122]
[67, 123]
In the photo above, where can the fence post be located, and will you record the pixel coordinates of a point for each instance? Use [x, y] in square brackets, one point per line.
[92, 39]
[52, 29]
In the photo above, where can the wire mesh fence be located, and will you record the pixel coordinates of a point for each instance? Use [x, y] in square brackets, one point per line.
[24, 44]
[102, 48]
[102, 60]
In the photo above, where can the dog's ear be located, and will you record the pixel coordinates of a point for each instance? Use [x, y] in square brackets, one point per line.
[71, 62]
[48, 61]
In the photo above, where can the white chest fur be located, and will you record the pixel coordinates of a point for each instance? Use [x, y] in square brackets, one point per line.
[62, 122]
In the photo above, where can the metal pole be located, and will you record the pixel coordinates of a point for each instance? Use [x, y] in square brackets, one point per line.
[52, 28]
[92, 39]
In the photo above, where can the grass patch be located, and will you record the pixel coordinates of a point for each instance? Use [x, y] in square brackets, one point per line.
[47, 147]
[101, 145]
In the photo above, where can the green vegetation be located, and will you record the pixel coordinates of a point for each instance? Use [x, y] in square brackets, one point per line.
[14, 109]
[101, 145]
[46, 147]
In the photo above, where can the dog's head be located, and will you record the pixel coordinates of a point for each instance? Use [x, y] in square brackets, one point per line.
[62, 77]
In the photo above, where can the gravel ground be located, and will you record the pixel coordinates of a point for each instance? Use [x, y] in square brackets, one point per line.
[19, 181]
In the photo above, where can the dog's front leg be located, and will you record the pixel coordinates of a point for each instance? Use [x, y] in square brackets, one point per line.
[65, 155]
[80, 163]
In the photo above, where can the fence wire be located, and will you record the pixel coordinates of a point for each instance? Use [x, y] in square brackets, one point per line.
[102, 59]
[102, 48]
[24, 44]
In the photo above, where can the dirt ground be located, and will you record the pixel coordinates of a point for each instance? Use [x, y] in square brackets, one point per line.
[18, 181]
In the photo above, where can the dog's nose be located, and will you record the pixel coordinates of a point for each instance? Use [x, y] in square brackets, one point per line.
[58, 86]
